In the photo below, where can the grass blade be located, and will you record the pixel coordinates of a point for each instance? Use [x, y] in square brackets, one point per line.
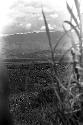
[64, 54]
[70, 36]
[77, 7]
[47, 29]
[48, 34]
[73, 27]
[52, 53]
[72, 14]
[64, 34]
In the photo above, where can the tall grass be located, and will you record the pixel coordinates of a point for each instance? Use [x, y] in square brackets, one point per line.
[65, 114]
[52, 55]
[77, 27]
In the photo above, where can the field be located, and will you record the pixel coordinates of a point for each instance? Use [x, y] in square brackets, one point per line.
[24, 91]
[32, 102]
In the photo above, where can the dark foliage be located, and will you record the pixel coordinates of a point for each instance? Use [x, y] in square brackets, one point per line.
[29, 95]
[43, 98]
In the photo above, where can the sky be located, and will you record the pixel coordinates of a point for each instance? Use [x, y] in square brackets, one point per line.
[25, 15]
[18, 16]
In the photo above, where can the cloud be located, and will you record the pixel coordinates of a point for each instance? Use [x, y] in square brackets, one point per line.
[54, 15]
[40, 18]
[56, 5]
[51, 27]
[28, 8]
[42, 28]
[48, 9]
[21, 24]
[28, 26]
[27, 14]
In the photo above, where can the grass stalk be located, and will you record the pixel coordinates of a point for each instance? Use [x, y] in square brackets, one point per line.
[53, 59]
[48, 35]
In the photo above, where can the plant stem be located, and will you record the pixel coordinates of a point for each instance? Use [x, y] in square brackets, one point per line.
[81, 37]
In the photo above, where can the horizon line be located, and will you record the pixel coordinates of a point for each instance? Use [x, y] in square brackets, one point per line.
[5, 34]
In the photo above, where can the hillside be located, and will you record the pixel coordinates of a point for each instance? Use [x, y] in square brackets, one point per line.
[33, 45]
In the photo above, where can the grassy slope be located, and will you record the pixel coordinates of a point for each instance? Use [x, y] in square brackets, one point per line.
[22, 44]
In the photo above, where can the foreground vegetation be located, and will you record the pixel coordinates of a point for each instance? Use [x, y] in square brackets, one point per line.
[51, 95]
[33, 100]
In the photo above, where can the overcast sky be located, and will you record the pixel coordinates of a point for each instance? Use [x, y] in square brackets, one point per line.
[25, 15]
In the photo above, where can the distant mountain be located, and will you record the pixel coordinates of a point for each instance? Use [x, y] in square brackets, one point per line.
[33, 45]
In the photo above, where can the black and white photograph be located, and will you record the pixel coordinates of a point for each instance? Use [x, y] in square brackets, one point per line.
[41, 62]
